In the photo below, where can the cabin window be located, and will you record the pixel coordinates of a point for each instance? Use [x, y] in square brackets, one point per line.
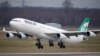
[34, 23]
[30, 22]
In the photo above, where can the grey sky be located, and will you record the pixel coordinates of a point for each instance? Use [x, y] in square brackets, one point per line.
[57, 3]
[86, 3]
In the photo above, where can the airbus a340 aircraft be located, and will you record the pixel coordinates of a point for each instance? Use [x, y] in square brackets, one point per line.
[25, 28]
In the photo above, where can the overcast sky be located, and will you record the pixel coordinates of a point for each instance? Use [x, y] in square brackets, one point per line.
[56, 3]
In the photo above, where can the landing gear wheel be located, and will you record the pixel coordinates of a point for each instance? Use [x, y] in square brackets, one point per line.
[38, 47]
[61, 45]
[41, 46]
[64, 46]
[58, 44]
[51, 44]
[38, 44]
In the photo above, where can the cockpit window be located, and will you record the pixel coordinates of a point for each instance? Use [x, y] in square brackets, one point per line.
[16, 20]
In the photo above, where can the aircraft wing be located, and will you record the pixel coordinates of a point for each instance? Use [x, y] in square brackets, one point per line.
[75, 33]
[15, 33]
[72, 33]
[90, 33]
[95, 31]
[80, 32]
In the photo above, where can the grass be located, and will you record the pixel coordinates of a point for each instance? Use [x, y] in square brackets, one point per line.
[28, 45]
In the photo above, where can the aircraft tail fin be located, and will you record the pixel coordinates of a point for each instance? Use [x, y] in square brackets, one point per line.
[4, 29]
[84, 25]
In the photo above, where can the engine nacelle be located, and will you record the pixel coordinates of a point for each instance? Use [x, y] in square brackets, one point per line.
[60, 36]
[91, 34]
[9, 35]
[21, 36]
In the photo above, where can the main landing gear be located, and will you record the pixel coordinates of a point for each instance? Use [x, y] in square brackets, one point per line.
[38, 44]
[61, 44]
[51, 44]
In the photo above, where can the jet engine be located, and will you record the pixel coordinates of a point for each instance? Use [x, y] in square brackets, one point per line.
[91, 34]
[9, 35]
[21, 36]
[60, 36]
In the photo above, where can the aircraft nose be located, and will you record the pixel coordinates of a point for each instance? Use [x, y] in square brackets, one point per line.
[12, 23]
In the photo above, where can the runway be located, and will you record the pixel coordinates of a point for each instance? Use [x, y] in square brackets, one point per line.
[53, 54]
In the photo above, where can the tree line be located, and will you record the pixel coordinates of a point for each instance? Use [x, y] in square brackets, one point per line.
[72, 17]
[66, 16]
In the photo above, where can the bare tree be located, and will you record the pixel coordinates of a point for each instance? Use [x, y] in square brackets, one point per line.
[67, 4]
[5, 4]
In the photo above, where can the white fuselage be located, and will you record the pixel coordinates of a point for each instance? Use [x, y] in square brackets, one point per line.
[41, 30]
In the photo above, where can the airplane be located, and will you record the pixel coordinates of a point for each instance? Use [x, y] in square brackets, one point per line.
[25, 28]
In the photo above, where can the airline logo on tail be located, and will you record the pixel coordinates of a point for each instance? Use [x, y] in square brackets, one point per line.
[84, 25]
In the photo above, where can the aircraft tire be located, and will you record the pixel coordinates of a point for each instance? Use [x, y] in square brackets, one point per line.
[61, 45]
[58, 44]
[41, 46]
[51, 44]
[36, 44]
[64, 46]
